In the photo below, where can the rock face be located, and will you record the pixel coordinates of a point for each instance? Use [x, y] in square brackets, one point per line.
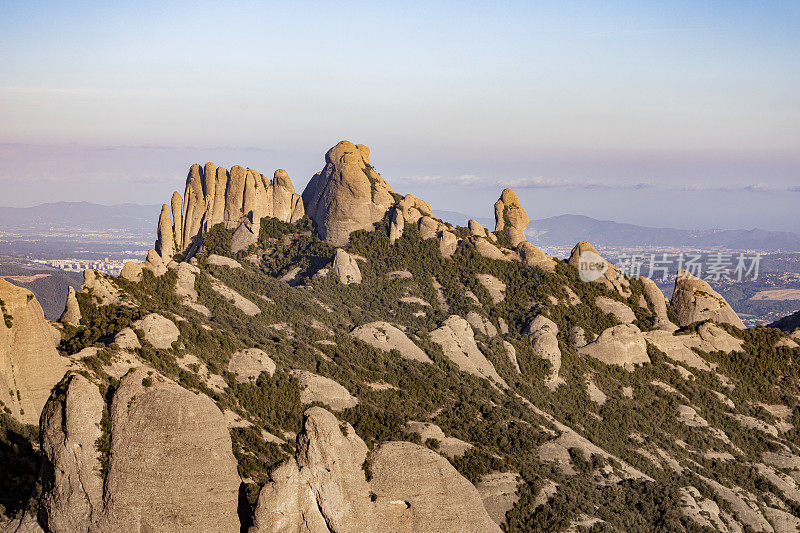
[694, 300]
[346, 268]
[458, 344]
[386, 337]
[509, 214]
[213, 196]
[315, 388]
[29, 363]
[159, 331]
[170, 468]
[661, 320]
[72, 311]
[621, 312]
[622, 345]
[347, 195]
[323, 489]
[249, 363]
[544, 339]
[583, 253]
[71, 477]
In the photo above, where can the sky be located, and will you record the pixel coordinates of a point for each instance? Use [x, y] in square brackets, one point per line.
[678, 114]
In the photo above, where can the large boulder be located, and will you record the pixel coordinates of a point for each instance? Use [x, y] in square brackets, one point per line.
[316, 388]
[324, 488]
[347, 195]
[457, 340]
[594, 268]
[544, 340]
[72, 311]
[509, 215]
[170, 465]
[661, 319]
[346, 268]
[387, 337]
[29, 362]
[158, 330]
[623, 345]
[694, 301]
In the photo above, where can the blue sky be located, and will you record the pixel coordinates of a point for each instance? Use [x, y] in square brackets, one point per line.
[682, 114]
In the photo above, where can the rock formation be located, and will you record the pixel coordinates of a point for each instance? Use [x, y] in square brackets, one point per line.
[158, 330]
[694, 300]
[386, 337]
[583, 253]
[622, 345]
[29, 363]
[72, 311]
[324, 488]
[347, 195]
[316, 388]
[661, 320]
[170, 468]
[544, 339]
[213, 196]
[346, 267]
[509, 215]
[248, 364]
[457, 340]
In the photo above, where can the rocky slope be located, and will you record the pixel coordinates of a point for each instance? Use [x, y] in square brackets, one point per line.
[371, 367]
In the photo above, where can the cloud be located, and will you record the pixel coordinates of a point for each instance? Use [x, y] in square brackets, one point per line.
[440, 181]
[749, 187]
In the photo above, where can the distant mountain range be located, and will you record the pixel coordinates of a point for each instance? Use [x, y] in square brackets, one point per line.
[136, 221]
[566, 230]
[133, 218]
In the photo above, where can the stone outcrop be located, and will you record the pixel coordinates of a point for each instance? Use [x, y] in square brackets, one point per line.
[72, 311]
[324, 489]
[29, 364]
[170, 467]
[622, 345]
[583, 253]
[694, 300]
[158, 330]
[533, 256]
[71, 477]
[248, 364]
[346, 267]
[509, 215]
[132, 271]
[316, 388]
[102, 289]
[621, 312]
[448, 242]
[237, 198]
[457, 340]
[347, 195]
[661, 319]
[544, 340]
[387, 337]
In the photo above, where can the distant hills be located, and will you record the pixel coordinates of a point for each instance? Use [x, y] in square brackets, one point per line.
[136, 222]
[566, 230]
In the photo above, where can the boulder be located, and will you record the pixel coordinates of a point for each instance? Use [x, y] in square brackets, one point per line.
[448, 242]
[397, 225]
[533, 256]
[476, 229]
[661, 320]
[594, 268]
[101, 288]
[165, 244]
[72, 311]
[324, 487]
[346, 268]
[248, 364]
[509, 215]
[170, 466]
[347, 195]
[694, 301]
[221, 260]
[387, 337]
[29, 363]
[126, 339]
[315, 388]
[621, 312]
[428, 227]
[623, 345]
[457, 340]
[71, 479]
[544, 340]
[158, 330]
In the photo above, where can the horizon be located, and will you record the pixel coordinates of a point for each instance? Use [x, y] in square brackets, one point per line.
[682, 116]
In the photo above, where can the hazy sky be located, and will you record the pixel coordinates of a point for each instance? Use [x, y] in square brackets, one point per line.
[683, 114]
